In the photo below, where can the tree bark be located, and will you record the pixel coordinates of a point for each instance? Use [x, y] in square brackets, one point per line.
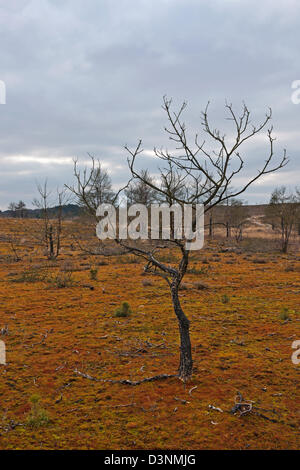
[186, 362]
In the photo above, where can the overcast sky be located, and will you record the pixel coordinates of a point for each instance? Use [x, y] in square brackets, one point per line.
[89, 76]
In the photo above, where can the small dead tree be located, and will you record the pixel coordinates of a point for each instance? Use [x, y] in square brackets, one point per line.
[237, 215]
[49, 231]
[17, 208]
[211, 174]
[92, 187]
[14, 243]
[12, 208]
[283, 213]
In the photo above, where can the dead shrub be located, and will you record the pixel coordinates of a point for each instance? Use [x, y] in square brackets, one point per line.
[61, 280]
[184, 286]
[67, 266]
[147, 282]
[102, 262]
[201, 286]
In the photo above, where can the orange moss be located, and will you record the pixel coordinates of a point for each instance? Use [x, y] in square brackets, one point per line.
[241, 345]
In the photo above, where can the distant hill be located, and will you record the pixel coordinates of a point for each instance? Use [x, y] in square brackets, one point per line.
[72, 210]
[69, 211]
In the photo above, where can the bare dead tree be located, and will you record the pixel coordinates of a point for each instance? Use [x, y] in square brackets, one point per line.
[14, 243]
[18, 208]
[93, 186]
[283, 212]
[214, 171]
[49, 232]
[236, 217]
[138, 192]
[211, 174]
[12, 207]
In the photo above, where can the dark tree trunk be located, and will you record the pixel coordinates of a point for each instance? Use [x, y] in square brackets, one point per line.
[227, 230]
[51, 243]
[210, 226]
[186, 362]
[57, 247]
[284, 242]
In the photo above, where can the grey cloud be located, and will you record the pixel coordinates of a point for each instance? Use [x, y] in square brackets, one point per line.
[89, 76]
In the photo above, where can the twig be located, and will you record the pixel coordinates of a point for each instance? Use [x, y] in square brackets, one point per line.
[212, 407]
[193, 388]
[182, 401]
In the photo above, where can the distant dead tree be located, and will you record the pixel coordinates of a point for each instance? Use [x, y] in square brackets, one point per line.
[12, 207]
[14, 243]
[94, 186]
[236, 217]
[49, 231]
[210, 223]
[18, 208]
[173, 185]
[138, 192]
[209, 168]
[283, 212]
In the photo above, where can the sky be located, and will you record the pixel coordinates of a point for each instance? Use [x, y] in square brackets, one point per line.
[89, 76]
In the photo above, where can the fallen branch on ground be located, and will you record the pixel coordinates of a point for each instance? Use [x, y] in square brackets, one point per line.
[125, 381]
